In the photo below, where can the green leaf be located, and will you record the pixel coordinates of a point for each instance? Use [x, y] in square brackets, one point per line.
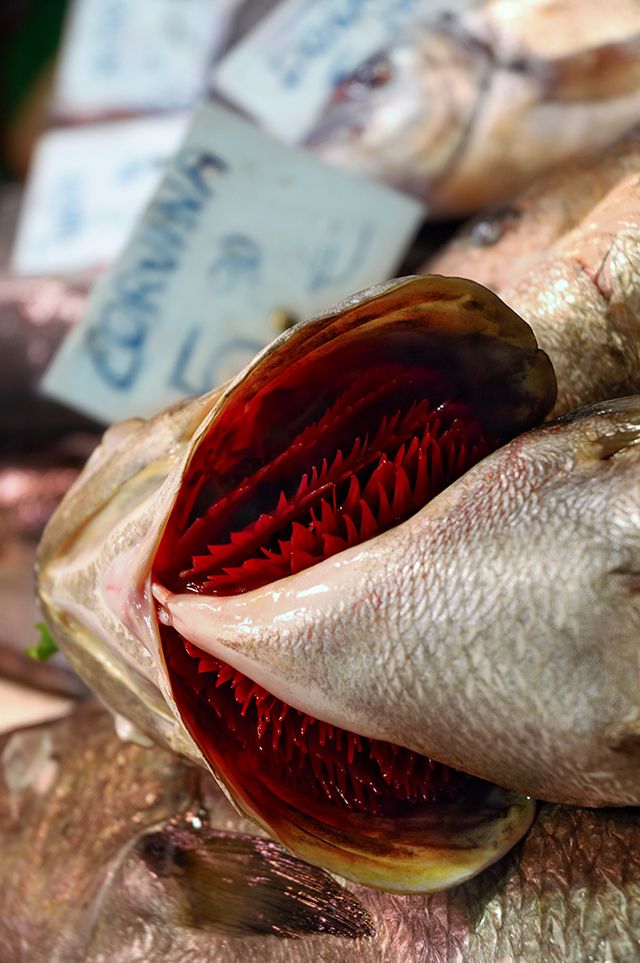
[45, 647]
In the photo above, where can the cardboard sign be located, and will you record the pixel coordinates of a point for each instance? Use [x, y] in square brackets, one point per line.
[87, 186]
[124, 56]
[283, 72]
[241, 229]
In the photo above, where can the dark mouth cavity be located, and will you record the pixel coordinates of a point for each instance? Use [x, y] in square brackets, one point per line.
[342, 458]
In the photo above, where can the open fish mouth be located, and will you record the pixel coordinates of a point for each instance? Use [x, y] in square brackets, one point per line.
[335, 446]
[363, 458]
[373, 446]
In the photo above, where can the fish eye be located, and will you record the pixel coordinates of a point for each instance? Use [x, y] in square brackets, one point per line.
[372, 73]
[488, 230]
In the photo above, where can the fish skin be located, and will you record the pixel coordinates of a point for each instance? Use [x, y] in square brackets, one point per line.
[566, 256]
[465, 111]
[569, 892]
[47, 901]
[510, 641]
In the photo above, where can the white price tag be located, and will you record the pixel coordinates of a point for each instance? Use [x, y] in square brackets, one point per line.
[126, 56]
[87, 186]
[284, 71]
[240, 227]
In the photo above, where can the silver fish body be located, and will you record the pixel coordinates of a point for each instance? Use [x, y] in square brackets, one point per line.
[509, 640]
[565, 256]
[464, 112]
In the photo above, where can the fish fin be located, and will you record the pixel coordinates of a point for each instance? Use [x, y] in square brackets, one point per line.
[614, 427]
[239, 885]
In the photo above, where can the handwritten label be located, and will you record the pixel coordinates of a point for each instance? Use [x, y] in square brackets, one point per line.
[283, 73]
[241, 230]
[87, 187]
[126, 56]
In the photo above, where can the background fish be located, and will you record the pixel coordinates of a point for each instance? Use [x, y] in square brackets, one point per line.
[168, 870]
[465, 112]
[131, 851]
[566, 256]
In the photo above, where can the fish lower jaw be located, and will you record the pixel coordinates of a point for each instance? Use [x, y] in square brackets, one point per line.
[370, 811]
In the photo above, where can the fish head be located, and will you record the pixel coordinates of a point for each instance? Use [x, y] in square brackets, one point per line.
[257, 498]
[402, 113]
[495, 630]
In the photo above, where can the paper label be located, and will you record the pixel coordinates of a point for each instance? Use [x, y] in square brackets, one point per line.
[241, 227]
[87, 186]
[284, 71]
[138, 55]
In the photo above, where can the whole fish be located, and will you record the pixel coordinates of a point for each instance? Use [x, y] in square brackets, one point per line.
[320, 611]
[464, 112]
[116, 852]
[566, 256]
[388, 399]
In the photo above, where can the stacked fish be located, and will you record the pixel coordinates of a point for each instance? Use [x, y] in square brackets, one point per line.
[383, 585]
